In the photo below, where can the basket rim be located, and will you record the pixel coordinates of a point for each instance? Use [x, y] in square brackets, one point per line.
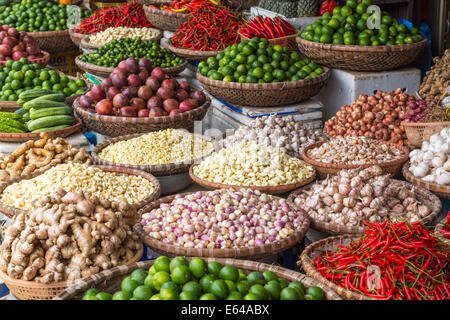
[163, 12]
[85, 44]
[235, 252]
[45, 58]
[354, 166]
[45, 34]
[33, 284]
[189, 52]
[311, 270]
[361, 49]
[265, 86]
[425, 124]
[247, 265]
[136, 120]
[156, 169]
[438, 234]
[431, 186]
[268, 189]
[7, 209]
[330, 227]
[30, 135]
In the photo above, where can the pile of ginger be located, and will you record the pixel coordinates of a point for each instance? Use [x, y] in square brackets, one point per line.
[68, 236]
[40, 155]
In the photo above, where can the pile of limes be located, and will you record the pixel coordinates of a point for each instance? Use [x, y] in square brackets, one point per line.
[349, 25]
[256, 61]
[178, 279]
[117, 50]
[19, 76]
[39, 15]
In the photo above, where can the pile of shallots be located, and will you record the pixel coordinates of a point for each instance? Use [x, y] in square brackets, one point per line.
[378, 116]
[357, 195]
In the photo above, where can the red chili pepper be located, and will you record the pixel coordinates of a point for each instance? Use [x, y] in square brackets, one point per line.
[327, 6]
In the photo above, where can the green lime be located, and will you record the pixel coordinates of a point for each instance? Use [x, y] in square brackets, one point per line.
[162, 263]
[289, 294]
[258, 73]
[259, 291]
[90, 297]
[139, 275]
[269, 275]
[129, 284]
[334, 23]
[208, 296]
[351, 3]
[279, 75]
[171, 284]
[361, 8]
[316, 292]
[219, 288]
[198, 266]
[283, 283]
[206, 281]
[16, 84]
[142, 293]
[243, 286]
[234, 295]
[325, 38]
[273, 287]
[229, 273]
[156, 297]
[193, 287]
[181, 274]
[149, 281]
[151, 270]
[122, 295]
[346, 11]
[159, 278]
[104, 296]
[299, 286]
[168, 294]
[326, 15]
[214, 268]
[242, 275]
[231, 285]
[187, 295]
[352, 20]
[414, 30]
[177, 261]
[251, 296]
[256, 278]
[91, 291]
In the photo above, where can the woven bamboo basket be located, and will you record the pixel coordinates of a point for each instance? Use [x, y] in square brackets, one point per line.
[24, 137]
[266, 189]
[438, 231]
[324, 169]
[87, 45]
[104, 72]
[264, 94]
[193, 55]
[420, 132]
[113, 126]
[156, 170]
[328, 245]
[43, 61]
[162, 19]
[110, 280]
[10, 211]
[30, 290]
[53, 41]
[250, 253]
[77, 37]
[424, 196]
[287, 41]
[440, 190]
[361, 58]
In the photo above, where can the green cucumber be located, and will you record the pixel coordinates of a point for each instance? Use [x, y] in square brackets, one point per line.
[39, 113]
[62, 126]
[50, 121]
[26, 116]
[34, 93]
[40, 104]
[53, 97]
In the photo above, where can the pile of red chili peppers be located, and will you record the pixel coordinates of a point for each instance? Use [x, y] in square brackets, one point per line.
[412, 264]
[209, 28]
[129, 15]
[327, 6]
[446, 231]
[267, 28]
[184, 6]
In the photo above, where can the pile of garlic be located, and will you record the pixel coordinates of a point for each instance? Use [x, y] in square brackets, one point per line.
[283, 132]
[432, 162]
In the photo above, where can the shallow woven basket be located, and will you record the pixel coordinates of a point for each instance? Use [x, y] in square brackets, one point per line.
[361, 58]
[87, 45]
[193, 55]
[250, 253]
[438, 233]
[287, 41]
[319, 247]
[266, 189]
[8, 106]
[104, 72]
[54, 41]
[425, 197]
[43, 61]
[31, 290]
[24, 137]
[77, 37]
[156, 170]
[420, 132]
[440, 190]
[113, 126]
[10, 211]
[324, 169]
[110, 280]
[264, 94]
[162, 19]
